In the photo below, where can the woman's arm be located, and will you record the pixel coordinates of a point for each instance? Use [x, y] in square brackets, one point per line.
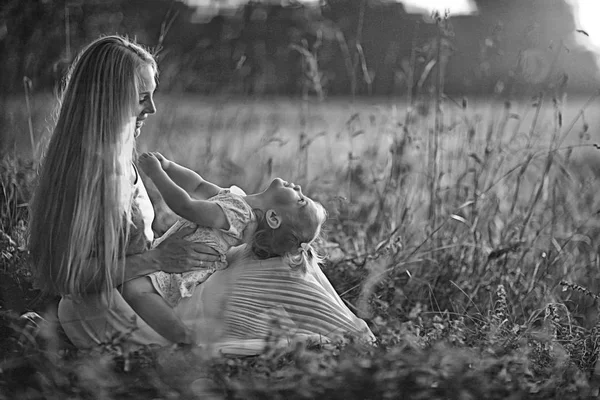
[136, 265]
[173, 255]
[89, 281]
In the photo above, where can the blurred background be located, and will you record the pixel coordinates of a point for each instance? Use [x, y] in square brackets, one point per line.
[392, 116]
[247, 86]
[287, 48]
[461, 146]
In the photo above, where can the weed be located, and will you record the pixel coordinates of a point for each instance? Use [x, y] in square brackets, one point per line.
[482, 315]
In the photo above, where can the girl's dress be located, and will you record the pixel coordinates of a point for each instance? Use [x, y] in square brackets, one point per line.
[174, 287]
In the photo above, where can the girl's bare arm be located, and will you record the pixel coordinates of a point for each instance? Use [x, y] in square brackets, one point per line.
[188, 180]
[202, 212]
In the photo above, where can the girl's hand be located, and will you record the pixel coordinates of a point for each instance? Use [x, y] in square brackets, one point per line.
[149, 164]
[177, 255]
[164, 162]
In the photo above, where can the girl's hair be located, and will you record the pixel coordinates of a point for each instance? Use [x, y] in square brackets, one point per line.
[293, 239]
[81, 208]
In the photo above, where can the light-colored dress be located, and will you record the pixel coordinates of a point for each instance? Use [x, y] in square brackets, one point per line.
[239, 215]
[239, 310]
[255, 304]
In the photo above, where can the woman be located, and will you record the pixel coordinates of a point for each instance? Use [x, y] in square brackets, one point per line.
[91, 219]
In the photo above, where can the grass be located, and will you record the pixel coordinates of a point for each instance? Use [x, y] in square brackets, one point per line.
[502, 301]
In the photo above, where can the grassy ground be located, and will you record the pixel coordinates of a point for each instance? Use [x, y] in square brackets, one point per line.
[491, 206]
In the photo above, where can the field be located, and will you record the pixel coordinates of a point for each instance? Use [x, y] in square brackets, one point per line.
[490, 205]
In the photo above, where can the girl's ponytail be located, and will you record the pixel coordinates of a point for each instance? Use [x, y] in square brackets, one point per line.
[304, 256]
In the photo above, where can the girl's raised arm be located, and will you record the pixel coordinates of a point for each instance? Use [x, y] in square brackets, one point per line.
[187, 179]
[201, 212]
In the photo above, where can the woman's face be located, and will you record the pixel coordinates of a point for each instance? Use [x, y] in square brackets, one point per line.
[145, 97]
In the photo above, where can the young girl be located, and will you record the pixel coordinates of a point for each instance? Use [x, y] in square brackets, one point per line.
[279, 221]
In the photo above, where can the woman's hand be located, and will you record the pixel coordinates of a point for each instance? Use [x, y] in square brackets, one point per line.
[177, 255]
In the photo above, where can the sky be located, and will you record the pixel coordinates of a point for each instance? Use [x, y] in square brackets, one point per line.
[586, 13]
[455, 6]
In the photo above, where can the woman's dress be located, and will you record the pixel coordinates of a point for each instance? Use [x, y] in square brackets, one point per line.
[239, 310]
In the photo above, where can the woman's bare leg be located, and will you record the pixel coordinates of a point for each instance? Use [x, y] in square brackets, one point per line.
[152, 308]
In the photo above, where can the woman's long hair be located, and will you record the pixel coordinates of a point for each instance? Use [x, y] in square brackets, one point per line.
[81, 209]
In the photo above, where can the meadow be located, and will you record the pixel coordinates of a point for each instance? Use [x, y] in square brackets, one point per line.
[489, 204]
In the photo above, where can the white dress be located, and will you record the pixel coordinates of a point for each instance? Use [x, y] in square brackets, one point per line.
[239, 215]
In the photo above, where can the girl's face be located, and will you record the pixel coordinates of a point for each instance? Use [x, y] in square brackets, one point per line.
[145, 97]
[282, 194]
